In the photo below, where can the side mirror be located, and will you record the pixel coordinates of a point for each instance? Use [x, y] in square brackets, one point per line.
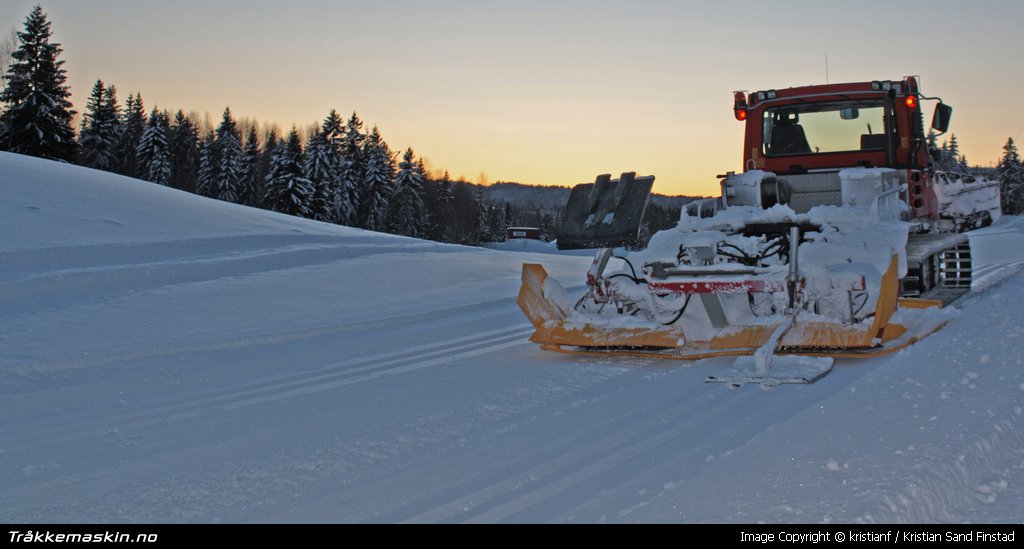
[940, 120]
[849, 113]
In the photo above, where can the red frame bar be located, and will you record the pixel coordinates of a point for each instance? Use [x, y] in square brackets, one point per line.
[733, 286]
[718, 286]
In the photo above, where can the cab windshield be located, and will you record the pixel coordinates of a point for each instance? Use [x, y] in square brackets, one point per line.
[825, 128]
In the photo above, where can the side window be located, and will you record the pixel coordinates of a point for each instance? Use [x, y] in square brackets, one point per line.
[769, 125]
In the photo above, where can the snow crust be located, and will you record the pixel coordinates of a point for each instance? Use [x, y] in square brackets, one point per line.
[957, 196]
[534, 246]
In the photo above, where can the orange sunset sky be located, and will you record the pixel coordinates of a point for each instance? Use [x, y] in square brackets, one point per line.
[542, 92]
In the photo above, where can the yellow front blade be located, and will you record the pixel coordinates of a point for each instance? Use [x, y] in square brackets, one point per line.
[531, 298]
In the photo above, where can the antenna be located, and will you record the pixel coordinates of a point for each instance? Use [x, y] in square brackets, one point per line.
[826, 67]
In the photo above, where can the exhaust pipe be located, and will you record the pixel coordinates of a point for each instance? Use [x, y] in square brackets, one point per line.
[793, 279]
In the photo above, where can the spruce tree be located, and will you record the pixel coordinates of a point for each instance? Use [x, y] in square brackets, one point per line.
[378, 183]
[184, 153]
[112, 114]
[266, 157]
[333, 129]
[319, 168]
[464, 213]
[317, 160]
[251, 191]
[499, 223]
[37, 118]
[333, 132]
[288, 190]
[229, 156]
[131, 133]
[442, 218]
[351, 167]
[87, 134]
[206, 184]
[408, 213]
[482, 226]
[1010, 173]
[154, 151]
[951, 161]
[101, 126]
[547, 228]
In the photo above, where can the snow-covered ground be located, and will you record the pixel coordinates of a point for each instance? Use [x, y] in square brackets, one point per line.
[534, 246]
[168, 358]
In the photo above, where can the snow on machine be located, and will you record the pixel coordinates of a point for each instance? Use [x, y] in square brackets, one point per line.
[840, 238]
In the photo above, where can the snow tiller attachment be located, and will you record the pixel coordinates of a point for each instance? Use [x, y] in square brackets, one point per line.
[748, 282]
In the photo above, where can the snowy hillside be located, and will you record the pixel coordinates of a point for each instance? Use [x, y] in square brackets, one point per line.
[169, 358]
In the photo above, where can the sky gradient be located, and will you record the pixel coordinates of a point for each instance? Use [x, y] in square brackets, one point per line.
[542, 92]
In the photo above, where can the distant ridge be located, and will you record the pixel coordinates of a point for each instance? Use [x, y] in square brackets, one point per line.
[539, 197]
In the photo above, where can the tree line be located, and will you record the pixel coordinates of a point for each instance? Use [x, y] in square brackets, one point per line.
[338, 172]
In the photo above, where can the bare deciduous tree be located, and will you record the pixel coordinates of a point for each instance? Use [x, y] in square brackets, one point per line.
[8, 44]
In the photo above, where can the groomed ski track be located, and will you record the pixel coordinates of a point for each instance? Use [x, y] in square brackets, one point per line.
[263, 369]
